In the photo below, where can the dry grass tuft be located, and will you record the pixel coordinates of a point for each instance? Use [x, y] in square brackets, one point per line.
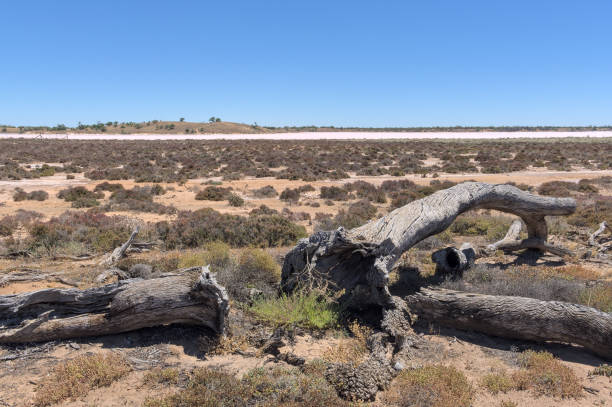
[351, 350]
[545, 375]
[75, 378]
[499, 382]
[161, 376]
[429, 386]
[603, 370]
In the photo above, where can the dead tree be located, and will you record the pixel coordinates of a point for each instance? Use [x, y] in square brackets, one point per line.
[358, 261]
[119, 252]
[517, 317]
[186, 298]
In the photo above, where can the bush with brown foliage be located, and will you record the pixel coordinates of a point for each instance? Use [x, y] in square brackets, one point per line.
[213, 193]
[193, 229]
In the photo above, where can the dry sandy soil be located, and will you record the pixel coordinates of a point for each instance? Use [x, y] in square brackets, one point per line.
[473, 354]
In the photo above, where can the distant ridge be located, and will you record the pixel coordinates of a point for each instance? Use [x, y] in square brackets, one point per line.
[221, 127]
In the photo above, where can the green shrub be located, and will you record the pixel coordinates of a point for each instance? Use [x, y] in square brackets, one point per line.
[21, 195]
[305, 310]
[257, 264]
[213, 193]
[235, 200]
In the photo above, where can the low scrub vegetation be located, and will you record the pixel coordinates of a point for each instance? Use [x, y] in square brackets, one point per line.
[311, 310]
[259, 387]
[214, 193]
[75, 378]
[80, 197]
[194, 229]
[549, 284]
[545, 375]
[431, 385]
[21, 195]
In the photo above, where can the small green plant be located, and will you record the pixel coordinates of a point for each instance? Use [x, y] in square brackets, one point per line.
[603, 370]
[306, 310]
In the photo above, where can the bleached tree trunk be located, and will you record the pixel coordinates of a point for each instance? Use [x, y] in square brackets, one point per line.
[119, 252]
[359, 260]
[50, 314]
[517, 317]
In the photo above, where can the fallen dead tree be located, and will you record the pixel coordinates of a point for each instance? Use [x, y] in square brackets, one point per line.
[358, 262]
[517, 317]
[50, 314]
[119, 252]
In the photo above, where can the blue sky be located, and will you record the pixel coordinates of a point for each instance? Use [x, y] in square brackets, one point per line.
[343, 63]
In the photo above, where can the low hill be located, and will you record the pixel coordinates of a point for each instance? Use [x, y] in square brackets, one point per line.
[221, 127]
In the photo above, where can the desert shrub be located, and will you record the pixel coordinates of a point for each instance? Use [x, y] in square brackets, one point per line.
[305, 310]
[138, 199]
[77, 377]
[107, 186]
[352, 350]
[158, 375]
[259, 387]
[431, 385]
[257, 264]
[73, 194]
[69, 176]
[598, 296]
[194, 229]
[545, 375]
[8, 225]
[306, 188]
[367, 191]
[290, 194]
[263, 210]
[96, 231]
[590, 212]
[21, 195]
[213, 193]
[295, 216]
[206, 388]
[334, 193]
[471, 224]
[602, 370]
[548, 284]
[38, 195]
[265, 192]
[235, 200]
[357, 214]
[499, 382]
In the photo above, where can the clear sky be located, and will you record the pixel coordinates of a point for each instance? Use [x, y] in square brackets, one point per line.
[343, 63]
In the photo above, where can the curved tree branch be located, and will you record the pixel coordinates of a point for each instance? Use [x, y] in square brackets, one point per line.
[359, 260]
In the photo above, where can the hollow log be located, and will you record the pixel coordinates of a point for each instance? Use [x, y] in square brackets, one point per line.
[453, 261]
[51, 314]
[517, 317]
[359, 260]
